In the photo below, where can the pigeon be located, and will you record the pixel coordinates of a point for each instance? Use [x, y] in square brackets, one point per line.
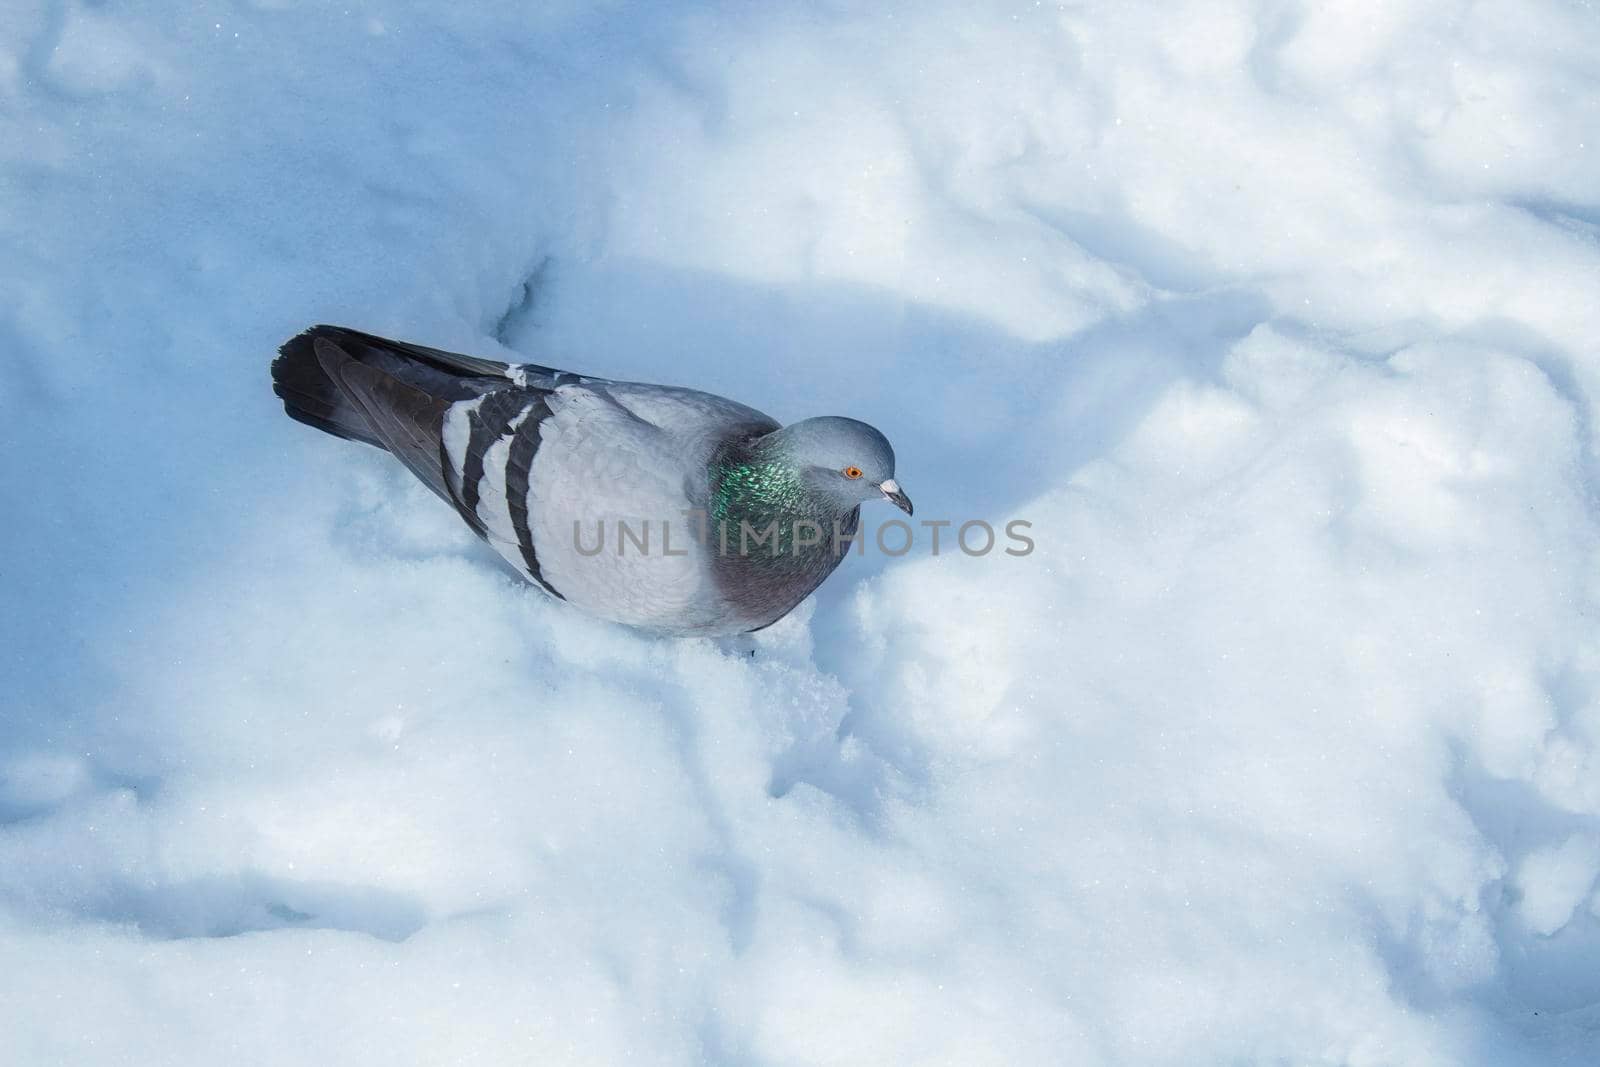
[674, 511]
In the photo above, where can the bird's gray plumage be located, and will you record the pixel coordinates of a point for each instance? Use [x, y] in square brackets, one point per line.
[635, 502]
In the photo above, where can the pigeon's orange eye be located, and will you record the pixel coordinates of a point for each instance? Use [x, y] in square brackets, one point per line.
[852, 473]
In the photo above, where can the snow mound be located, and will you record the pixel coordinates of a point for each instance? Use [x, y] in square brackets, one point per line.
[1276, 323]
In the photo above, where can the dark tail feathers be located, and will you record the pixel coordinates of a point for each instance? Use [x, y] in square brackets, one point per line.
[310, 396]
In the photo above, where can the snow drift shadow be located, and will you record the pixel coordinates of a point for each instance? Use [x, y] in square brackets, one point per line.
[250, 901]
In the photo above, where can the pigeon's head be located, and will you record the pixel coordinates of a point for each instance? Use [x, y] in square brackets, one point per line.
[843, 459]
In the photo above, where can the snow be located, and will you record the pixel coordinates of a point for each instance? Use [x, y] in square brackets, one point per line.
[1554, 881]
[1276, 322]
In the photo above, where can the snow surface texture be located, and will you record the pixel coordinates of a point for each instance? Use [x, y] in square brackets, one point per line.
[1277, 320]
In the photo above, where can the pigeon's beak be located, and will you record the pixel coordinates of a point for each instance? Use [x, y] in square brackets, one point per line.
[892, 493]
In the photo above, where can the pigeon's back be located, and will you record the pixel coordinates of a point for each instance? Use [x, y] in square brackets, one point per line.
[593, 489]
